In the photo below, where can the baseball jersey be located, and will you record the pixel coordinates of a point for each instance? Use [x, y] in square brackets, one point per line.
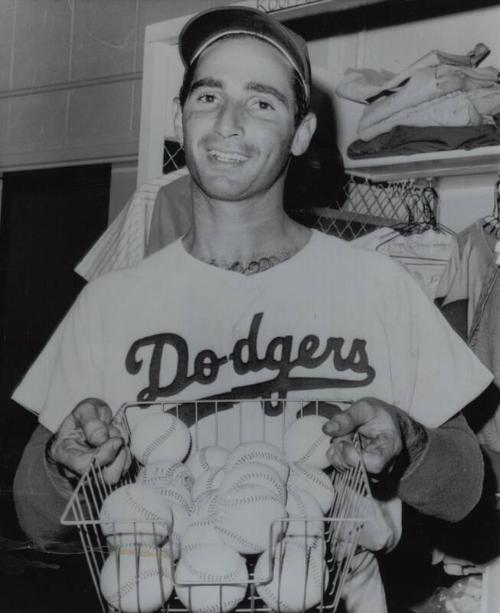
[333, 323]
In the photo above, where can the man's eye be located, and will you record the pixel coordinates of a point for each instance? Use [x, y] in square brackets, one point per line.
[263, 105]
[207, 98]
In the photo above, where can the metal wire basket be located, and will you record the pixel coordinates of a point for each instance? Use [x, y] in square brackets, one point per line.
[341, 527]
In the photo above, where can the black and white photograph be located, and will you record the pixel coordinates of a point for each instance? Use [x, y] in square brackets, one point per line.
[249, 272]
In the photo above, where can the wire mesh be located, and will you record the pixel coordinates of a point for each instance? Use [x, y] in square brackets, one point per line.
[363, 205]
[371, 204]
[173, 156]
[334, 544]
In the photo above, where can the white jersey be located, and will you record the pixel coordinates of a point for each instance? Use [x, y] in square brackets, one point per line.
[333, 322]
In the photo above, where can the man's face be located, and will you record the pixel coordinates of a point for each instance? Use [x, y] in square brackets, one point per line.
[238, 119]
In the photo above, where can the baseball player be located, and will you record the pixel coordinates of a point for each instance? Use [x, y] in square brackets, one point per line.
[249, 304]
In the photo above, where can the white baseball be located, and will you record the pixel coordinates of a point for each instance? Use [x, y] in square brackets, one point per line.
[160, 436]
[204, 506]
[177, 492]
[136, 580]
[299, 577]
[135, 513]
[314, 481]
[248, 518]
[259, 451]
[199, 533]
[254, 473]
[158, 473]
[211, 456]
[208, 480]
[305, 441]
[305, 512]
[181, 521]
[218, 565]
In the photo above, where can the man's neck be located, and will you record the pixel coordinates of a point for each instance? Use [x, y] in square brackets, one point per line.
[246, 237]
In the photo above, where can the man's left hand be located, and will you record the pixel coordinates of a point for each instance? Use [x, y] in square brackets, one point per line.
[379, 431]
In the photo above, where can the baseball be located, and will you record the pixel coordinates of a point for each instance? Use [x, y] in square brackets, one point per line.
[135, 513]
[177, 492]
[204, 506]
[211, 564]
[314, 481]
[160, 436]
[259, 451]
[305, 441]
[305, 514]
[199, 533]
[299, 577]
[162, 472]
[254, 473]
[245, 517]
[208, 480]
[181, 521]
[136, 580]
[212, 456]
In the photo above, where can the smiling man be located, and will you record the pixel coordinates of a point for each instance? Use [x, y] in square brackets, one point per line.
[251, 305]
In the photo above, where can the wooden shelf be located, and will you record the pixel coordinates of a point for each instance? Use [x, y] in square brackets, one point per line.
[422, 165]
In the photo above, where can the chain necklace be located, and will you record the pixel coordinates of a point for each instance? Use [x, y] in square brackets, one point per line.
[256, 265]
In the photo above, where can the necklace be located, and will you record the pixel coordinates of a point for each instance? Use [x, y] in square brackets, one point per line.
[257, 264]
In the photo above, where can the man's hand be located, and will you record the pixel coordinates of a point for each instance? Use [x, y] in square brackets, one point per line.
[379, 431]
[89, 432]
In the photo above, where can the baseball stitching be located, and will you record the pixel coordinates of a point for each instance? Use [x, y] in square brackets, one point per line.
[158, 441]
[130, 584]
[312, 449]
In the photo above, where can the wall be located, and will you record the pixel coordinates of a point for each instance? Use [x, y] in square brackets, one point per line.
[70, 77]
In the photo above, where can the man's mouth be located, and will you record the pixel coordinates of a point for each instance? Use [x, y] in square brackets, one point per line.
[228, 157]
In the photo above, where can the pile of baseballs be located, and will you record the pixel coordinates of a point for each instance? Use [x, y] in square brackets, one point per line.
[196, 520]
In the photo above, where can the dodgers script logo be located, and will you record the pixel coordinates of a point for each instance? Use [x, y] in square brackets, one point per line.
[282, 355]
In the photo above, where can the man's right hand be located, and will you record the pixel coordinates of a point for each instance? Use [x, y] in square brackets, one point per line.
[88, 432]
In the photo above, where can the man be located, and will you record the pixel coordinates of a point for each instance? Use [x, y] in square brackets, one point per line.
[249, 304]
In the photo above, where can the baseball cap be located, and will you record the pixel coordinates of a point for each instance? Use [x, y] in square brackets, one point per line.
[208, 26]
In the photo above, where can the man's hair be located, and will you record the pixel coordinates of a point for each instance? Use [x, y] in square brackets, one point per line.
[301, 103]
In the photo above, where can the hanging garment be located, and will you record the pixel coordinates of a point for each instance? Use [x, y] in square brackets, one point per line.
[172, 214]
[425, 255]
[474, 274]
[125, 241]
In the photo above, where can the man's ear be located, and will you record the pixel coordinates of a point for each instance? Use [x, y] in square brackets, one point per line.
[304, 134]
[179, 132]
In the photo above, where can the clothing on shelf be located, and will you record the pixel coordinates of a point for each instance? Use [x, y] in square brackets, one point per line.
[442, 108]
[437, 91]
[366, 85]
[405, 140]
[125, 242]
[425, 255]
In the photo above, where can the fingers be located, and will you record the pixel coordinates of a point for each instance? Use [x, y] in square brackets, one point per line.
[75, 455]
[108, 451]
[358, 414]
[113, 471]
[93, 416]
[380, 437]
[342, 454]
[87, 433]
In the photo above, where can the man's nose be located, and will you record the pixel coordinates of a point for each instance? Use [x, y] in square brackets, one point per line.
[230, 120]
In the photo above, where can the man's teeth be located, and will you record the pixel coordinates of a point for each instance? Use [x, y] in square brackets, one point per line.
[227, 157]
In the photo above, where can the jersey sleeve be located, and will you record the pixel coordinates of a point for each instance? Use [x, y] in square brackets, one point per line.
[435, 374]
[67, 370]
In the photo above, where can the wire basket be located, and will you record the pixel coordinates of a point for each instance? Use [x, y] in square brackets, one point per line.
[337, 538]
